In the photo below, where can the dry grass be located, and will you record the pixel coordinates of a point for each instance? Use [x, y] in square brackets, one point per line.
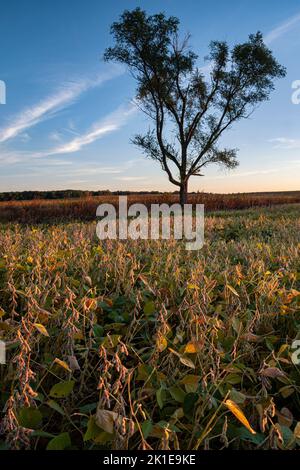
[139, 344]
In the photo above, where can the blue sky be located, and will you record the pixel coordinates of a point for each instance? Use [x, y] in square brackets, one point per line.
[68, 118]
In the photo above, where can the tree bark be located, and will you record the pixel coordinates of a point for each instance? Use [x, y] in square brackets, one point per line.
[183, 194]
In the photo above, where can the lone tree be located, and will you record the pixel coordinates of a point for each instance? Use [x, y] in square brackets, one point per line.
[189, 112]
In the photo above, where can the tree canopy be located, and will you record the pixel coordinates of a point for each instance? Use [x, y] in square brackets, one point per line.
[190, 112]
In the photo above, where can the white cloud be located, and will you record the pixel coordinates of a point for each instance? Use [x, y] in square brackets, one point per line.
[76, 144]
[97, 170]
[25, 137]
[11, 157]
[288, 165]
[245, 174]
[285, 143]
[55, 136]
[107, 125]
[131, 178]
[47, 107]
[282, 29]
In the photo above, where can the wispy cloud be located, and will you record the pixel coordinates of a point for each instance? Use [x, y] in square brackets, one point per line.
[131, 178]
[288, 165]
[97, 170]
[55, 136]
[11, 157]
[49, 106]
[107, 125]
[282, 29]
[246, 173]
[285, 143]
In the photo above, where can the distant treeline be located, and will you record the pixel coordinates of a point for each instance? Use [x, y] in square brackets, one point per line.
[63, 194]
[77, 194]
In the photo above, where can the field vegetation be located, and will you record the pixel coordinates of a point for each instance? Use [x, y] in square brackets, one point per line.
[144, 345]
[84, 208]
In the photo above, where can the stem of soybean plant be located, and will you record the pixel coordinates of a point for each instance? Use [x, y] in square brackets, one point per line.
[208, 427]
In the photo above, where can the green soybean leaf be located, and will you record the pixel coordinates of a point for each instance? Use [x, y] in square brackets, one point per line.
[147, 428]
[160, 397]
[177, 393]
[29, 417]
[149, 307]
[92, 430]
[55, 406]
[59, 442]
[62, 389]
[189, 404]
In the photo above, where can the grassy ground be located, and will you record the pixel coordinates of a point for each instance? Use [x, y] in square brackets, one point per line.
[145, 345]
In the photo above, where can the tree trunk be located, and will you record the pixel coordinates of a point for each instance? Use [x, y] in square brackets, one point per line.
[183, 194]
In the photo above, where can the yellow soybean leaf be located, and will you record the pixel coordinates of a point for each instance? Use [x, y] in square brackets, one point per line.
[193, 347]
[62, 364]
[232, 289]
[297, 430]
[90, 304]
[184, 360]
[235, 409]
[190, 348]
[161, 343]
[190, 379]
[41, 329]
[193, 286]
